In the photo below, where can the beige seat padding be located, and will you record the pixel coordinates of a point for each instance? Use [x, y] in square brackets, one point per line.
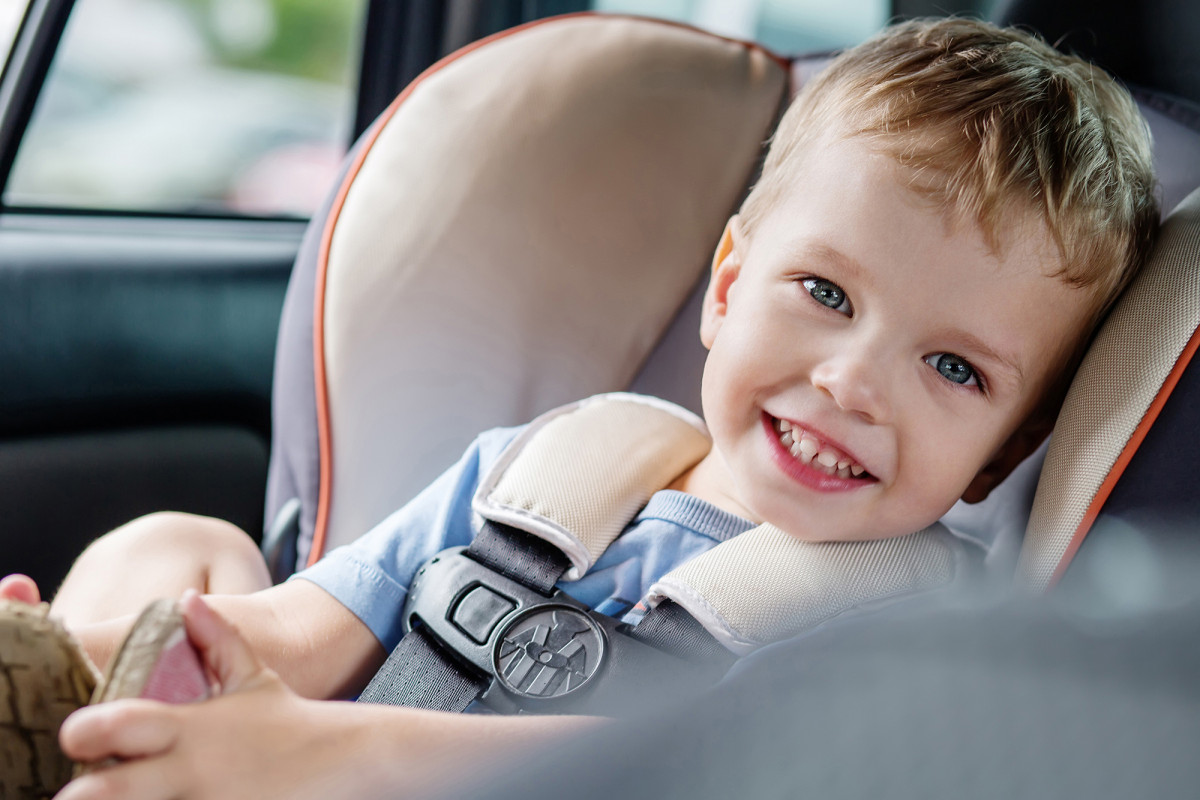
[764, 585]
[1122, 383]
[524, 227]
[578, 474]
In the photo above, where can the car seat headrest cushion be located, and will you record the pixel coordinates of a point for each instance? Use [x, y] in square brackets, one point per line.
[1130, 370]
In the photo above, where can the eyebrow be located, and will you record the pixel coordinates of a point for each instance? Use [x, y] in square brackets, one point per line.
[825, 252]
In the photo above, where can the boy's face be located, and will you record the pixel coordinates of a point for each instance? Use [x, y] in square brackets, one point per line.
[870, 357]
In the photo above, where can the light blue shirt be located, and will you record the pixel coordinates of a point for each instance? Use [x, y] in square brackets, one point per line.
[371, 575]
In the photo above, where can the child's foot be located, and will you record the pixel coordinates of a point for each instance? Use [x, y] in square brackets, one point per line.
[46, 676]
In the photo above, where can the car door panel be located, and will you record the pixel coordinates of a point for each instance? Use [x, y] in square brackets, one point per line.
[137, 357]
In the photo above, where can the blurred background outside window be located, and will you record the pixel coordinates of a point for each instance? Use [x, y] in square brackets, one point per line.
[245, 107]
[785, 26]
[227, 107]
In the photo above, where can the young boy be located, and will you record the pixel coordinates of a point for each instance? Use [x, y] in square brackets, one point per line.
[892, 319]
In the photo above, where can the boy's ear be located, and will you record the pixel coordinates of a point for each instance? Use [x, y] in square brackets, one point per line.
[726, 265]
[1019, 446]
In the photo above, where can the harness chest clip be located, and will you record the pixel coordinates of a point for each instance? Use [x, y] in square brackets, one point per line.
[538, 650]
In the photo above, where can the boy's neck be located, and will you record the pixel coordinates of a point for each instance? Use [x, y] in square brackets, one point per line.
[709, 480]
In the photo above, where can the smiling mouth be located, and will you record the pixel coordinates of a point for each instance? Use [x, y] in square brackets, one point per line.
[809, 450]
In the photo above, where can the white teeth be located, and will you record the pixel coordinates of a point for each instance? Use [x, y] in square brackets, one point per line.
[807, 450]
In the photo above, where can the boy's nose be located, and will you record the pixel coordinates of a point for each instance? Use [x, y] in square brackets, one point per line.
[855, 383]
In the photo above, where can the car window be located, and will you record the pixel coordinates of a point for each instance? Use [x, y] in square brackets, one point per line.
[785, 26]
[11, 12]
[239, 107]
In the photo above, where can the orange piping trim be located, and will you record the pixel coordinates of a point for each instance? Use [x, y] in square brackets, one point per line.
[1131, 447]
[324, 427]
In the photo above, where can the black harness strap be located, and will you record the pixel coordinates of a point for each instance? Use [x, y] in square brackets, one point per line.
[518, 555]
[489, 616]
[421, 674]
[669, 628]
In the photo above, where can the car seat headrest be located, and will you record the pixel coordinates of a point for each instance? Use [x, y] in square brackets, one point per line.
[516, 232]
[1131, 369]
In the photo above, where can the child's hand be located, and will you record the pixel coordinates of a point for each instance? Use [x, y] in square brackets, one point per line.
[20, 588]
[257, 740]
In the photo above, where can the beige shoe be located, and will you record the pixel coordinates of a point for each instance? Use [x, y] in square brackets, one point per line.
[156, 661]
[46, 676]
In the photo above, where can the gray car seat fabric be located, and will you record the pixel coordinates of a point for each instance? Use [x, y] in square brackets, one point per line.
[294, 473]
[917, 702]
[1176, 149]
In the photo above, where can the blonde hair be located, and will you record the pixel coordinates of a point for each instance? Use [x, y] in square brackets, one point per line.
[995, 124]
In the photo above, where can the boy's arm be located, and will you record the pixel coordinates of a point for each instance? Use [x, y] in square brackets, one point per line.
[260, 740]
[315, 644]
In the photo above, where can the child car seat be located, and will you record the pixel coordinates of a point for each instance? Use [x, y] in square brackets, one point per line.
[531, 222]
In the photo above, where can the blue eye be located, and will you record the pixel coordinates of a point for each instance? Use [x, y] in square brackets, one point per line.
[953, 368]
[828, 294]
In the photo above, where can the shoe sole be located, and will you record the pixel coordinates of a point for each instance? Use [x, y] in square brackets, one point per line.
[44, 676]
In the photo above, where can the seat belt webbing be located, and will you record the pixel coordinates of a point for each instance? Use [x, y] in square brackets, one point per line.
[421, 674]
[519, 555]
[670, 628]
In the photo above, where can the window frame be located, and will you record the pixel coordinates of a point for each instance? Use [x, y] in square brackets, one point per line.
[25, 71]
[399, 39]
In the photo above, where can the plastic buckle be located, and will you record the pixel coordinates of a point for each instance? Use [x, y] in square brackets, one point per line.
[539, 650]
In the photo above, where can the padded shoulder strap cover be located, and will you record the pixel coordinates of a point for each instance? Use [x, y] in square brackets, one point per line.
[766, 585]
[578, 474]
